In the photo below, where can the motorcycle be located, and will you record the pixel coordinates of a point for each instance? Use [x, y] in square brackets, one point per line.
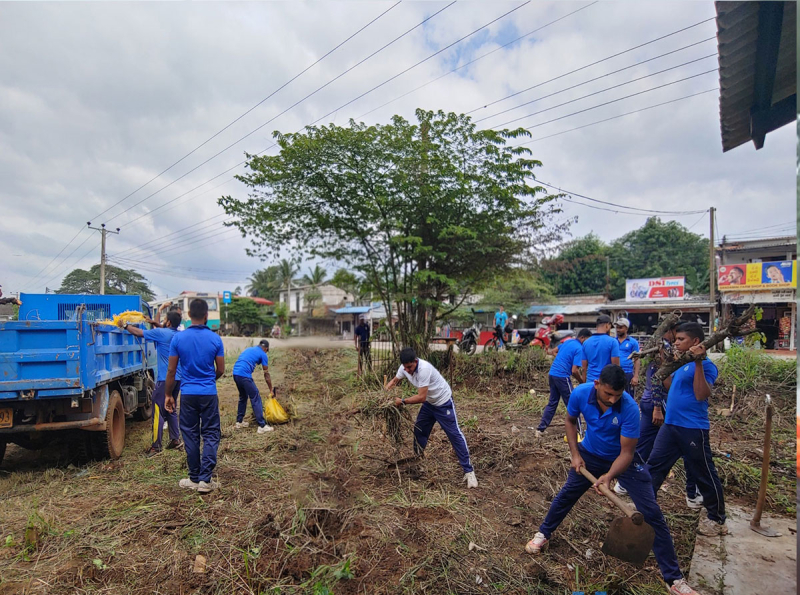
[494, 344]
[547, 335]
[469, 339]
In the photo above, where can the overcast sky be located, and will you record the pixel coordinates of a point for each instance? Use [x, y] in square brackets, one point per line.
[98, 98]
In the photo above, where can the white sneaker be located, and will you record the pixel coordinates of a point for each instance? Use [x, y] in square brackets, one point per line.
[679, 587]
[696, 502]
[265, 429]
[711, 528]
[206, 487]
[188, 484]
[472, 481]
[241, 424]
[537, 544]
[539, 433]
[619, 490]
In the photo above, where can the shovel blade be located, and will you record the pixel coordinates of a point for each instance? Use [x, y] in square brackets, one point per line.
[629, 542]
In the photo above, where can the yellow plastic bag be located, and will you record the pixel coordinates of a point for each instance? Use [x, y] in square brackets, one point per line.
[274, 412]
[123, 318]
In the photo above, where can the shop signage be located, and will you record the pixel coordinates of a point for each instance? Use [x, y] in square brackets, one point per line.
[776, 296]
[757, 276]
[657, 289]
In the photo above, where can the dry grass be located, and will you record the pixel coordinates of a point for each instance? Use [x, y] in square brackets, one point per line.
[313, 507]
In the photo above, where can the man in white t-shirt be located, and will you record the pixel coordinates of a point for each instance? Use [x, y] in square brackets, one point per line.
[437, 406]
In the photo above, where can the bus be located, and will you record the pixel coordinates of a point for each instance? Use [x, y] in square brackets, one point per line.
[185, 298]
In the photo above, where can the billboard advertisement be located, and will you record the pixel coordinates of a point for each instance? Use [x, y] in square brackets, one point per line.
[757, 275]
[659, 288]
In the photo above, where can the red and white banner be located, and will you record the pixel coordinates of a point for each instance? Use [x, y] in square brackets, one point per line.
[659, 288]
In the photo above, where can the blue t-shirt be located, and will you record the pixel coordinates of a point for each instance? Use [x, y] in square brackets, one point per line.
[597, 352]
[683, 409]
[653, 391]
[248, 360]
[626, 347]
[162, 337]
[500, 319]
[570, 353]
[197, 347]
[604, 429]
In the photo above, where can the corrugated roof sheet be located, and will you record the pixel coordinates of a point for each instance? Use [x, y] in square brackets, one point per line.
[566, 309]
[737, 40]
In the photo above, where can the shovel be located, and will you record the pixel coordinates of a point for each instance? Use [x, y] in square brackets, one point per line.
[629, 538]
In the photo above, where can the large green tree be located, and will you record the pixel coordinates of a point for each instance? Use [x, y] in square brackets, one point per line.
[118, 281]
[347, 281]
[244, 311]
[265, 283]
[422, 210]
[517, 290]
[579, 267]
[659, 249]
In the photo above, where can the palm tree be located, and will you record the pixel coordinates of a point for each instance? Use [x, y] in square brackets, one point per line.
[287, 269]
[316, 277]
[264, 283]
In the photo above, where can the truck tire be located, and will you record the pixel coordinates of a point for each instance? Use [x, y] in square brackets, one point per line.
[2, 451]
[145, 412]
[109, 444]
[80, 447]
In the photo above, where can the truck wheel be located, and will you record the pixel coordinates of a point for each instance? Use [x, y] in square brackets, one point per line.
[145, 412]
[2, 451]
[80, 447]
[109, 444]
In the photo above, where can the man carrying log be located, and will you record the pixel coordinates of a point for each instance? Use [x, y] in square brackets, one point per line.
[685, 432]
[436, 397]
[607, 451]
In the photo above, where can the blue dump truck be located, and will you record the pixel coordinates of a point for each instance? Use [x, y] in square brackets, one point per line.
[64, 373]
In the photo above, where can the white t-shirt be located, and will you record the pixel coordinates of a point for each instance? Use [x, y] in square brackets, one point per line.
[439, 391]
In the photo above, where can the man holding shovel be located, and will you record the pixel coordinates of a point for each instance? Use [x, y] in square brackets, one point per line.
[607, 451]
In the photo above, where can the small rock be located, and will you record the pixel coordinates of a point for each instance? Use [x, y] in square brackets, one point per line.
[589, 554]
[514, 430]
[199, 564]
[532, 391]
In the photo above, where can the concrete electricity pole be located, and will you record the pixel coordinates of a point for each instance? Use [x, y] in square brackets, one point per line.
[103, 231]
[712, 270]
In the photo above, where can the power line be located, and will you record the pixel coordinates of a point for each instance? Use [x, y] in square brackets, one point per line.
[283, 86]
[714, 55]
[422, 61]
[295, 104]
[183, 268]
[644, 109]
[75, 263]
[39, 274]
[176, 242]
[225, 128]
[613, 204]
[592, 64]
[513, 41]
[156, 240]
[588, 109]
[703, 216]
[171, 238]
[747, 231]
[616, 211]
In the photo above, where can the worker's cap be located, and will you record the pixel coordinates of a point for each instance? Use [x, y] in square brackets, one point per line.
[623, 322]
[264, 343]
[603, 319]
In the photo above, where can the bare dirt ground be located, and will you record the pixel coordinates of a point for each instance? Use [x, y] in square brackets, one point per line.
[313, 507]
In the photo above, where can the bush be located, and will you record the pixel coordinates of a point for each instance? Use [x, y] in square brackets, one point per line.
[749, 369]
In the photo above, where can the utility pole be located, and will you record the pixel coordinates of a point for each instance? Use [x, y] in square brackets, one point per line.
[103, 231]
[712, 270]
[608, 278]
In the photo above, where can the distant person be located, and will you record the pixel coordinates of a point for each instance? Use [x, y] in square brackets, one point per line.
[685, 432]
[566, 364]
[361, 337]
[243, 377]
[599, 350]
[276, 331]
[170, 307]
[436, 398]
[201, 356]
[162, 337]
[627, 347]
[500, 322]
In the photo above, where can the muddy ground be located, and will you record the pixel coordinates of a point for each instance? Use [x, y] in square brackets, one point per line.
[313, 507]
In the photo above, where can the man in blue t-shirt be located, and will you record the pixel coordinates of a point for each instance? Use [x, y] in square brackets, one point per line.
[500, 321]
[628, 346]
[162, 337]
[685, 430]
[599, 350]
[201, 356]
[243, 377]
[566, 364]
[607, 451]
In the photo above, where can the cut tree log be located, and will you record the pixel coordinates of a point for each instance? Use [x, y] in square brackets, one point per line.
[654, 344]
[734, 329]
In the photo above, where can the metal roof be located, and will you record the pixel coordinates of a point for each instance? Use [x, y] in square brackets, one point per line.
[565, 309]
[757, 69]
[353, 310]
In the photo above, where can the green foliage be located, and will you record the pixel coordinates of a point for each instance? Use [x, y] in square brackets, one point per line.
[315, 277]
[287, 269]
[244, 311]
[264, 283]
[424, 211]
[579, 268]
[118, 281]
[750, 369]
[282, 313]
[516, 290]
[347, 281]
[659, 250]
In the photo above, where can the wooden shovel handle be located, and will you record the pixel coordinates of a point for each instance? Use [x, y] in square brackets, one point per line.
[635, 515]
